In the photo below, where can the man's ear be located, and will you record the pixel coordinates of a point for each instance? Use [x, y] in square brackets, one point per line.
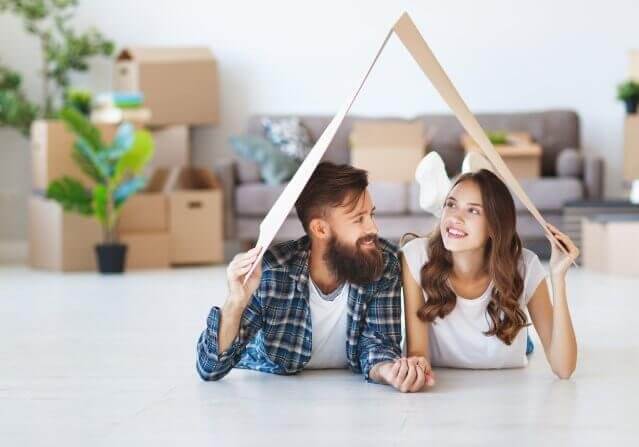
[319, 228]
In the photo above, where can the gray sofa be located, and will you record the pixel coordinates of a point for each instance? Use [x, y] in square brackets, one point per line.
[566, 175]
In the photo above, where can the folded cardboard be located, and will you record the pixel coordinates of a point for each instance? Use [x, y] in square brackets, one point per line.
[59, 240]
[147, 211]
[610, 244]
[146, 250]
[410, 37]
[51, 152]
[631, 148]
[374, 143]
[195, 217]
[180, 85]
[521, 154]
[171, 146]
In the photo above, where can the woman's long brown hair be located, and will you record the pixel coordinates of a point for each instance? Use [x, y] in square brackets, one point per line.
[502, 257]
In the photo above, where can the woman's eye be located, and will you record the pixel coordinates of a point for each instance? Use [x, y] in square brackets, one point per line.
[474, 211]
[359, 220]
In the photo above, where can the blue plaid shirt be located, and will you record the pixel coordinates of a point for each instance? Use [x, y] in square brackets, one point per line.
[275, 334]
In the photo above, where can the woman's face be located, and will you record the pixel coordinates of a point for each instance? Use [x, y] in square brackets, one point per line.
[463, 224]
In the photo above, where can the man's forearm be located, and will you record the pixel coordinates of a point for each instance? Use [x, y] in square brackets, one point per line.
[229, 324]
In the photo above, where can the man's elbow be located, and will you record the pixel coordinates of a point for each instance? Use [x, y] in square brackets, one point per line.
[209, 374]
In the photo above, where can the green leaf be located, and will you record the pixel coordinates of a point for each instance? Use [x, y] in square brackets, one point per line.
[72, 195]
[122, 142]
[101, 204]
[127, 189]
[82, 127]
[134, 160]
[91, 164]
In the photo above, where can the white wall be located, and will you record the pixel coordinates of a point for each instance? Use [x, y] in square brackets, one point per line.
[304, 57]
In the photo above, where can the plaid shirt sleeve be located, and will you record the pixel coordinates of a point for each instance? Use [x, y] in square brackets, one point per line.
[381, 337]
[213, 365]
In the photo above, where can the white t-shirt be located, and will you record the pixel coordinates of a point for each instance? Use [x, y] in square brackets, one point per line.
[458, 340]
[328, 320]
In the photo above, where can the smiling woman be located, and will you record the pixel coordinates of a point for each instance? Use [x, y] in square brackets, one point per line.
[468, 285]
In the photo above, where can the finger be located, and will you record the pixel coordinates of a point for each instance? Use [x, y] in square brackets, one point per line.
[430, 379]
[403, 370]
[421, 363]
[411, 375]
[238, 272]
[395, 370]
[241, 263]
[420, 380]
[572, 248]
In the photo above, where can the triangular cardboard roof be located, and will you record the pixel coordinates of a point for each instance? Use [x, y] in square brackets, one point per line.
[410, 37]
[165, 54]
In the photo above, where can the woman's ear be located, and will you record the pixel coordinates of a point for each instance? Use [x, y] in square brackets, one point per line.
[319, 228]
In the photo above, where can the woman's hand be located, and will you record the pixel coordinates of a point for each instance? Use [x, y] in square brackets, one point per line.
[559, 261]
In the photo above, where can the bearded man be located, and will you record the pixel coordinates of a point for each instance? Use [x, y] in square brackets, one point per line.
[331, 299]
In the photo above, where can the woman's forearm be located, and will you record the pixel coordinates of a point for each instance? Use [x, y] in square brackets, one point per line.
[563, 345]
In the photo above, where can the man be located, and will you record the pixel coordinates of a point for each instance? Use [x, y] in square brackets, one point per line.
[328, 300]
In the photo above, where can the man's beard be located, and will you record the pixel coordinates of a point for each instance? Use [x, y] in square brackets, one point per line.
[355, 264]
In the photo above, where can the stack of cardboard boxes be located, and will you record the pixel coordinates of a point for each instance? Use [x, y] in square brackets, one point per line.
[374, 143]
[178, 218]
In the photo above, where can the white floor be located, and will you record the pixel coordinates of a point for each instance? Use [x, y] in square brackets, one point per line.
[109, 361]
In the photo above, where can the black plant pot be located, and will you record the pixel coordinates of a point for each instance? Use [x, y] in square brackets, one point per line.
[111, 257]
[631, 106]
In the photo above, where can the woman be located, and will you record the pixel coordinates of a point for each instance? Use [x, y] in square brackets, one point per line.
[467, 287]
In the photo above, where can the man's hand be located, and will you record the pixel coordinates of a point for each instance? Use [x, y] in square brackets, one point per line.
[240, 293]
[407, 375]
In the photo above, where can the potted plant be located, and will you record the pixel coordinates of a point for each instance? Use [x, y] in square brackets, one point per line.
[498, 137]
[116, 169]
[63, 51]
[628, 92]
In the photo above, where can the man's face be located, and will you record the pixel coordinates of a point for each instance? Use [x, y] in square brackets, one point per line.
[353, 252]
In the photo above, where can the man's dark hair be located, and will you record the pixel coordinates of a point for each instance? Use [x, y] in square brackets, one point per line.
[330, 185]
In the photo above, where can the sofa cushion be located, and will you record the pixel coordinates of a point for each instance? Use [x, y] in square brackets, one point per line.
[550, 193]
[546, 193]
[256, 198]
[389, 197]
[247, 171]
[570, 163]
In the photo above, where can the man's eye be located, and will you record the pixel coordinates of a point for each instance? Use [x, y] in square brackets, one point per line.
[360, 219]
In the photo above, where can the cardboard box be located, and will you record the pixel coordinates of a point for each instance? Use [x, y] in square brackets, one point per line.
[195, 217]
[610, 244]
[374, 143]
[51, 152]
[631, 148]
[147, 211]
[180, 85]
[172, 147]
[633, 71]
[522, 156]
[61, 241]
[146, 250]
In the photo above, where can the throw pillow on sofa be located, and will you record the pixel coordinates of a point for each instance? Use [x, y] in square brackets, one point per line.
[275, 166]
[289, 135]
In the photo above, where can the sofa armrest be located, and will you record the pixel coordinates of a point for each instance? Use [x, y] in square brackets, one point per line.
[589, 169]
[593, 177]
[225, 171]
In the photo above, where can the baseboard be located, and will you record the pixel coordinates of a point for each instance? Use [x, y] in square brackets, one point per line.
[13, 252]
